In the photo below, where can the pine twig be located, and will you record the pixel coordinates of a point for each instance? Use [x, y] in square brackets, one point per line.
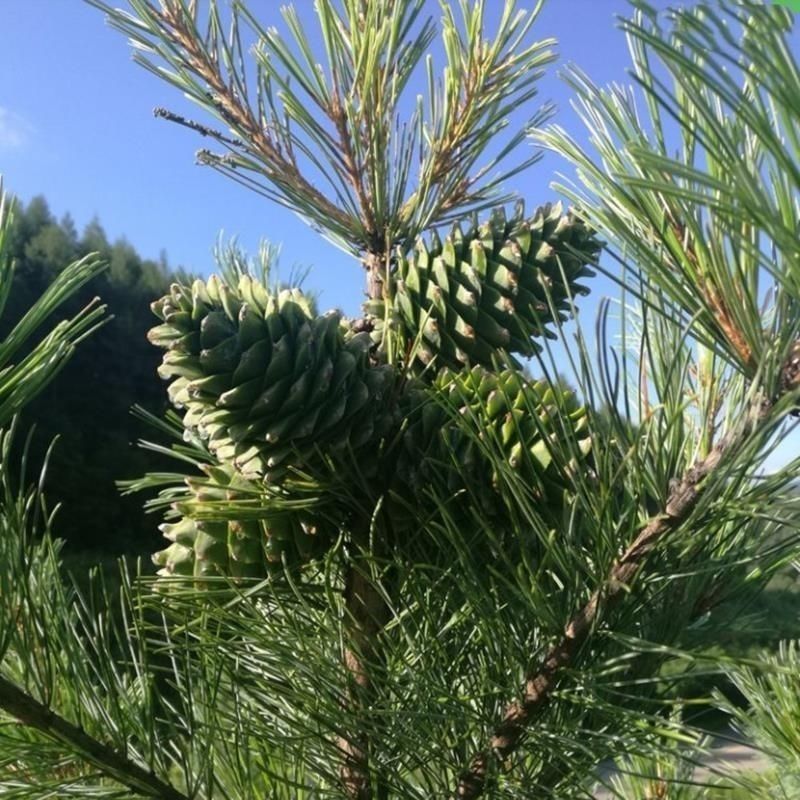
[540, 684]
[34, 714]
[234, 109]
[203, 130]
[364, 608]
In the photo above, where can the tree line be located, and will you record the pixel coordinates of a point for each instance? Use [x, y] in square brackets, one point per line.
[88, 405]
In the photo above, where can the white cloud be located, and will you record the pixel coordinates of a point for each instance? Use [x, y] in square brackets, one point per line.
[14, 130]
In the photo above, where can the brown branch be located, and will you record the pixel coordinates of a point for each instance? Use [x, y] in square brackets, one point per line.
[34, 714]
[540, 683]
[726, 322]
[375, 265]
[365, 609]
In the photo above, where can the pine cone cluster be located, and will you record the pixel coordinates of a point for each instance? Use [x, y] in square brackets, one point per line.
[277, 391]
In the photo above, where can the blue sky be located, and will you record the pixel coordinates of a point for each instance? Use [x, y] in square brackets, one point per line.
[76, 125]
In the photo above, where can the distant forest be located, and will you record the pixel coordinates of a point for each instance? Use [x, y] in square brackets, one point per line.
[88, 405]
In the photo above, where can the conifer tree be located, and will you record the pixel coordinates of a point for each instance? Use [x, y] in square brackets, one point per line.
[399, 564]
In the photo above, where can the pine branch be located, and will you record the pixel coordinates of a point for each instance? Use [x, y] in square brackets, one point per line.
[232, 107]
[365, 616]
[541, 683]
[365, 609]
[365, 613]
[389, 177]
[34, 714]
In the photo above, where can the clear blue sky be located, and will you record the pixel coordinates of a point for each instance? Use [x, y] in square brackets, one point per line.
[76, 125]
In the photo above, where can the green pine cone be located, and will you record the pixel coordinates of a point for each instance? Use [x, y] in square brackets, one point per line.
[489, 289]
[466, 421]
[264, 381]
[206, 545]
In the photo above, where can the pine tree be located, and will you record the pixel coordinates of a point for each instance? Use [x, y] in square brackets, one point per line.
[402, 564]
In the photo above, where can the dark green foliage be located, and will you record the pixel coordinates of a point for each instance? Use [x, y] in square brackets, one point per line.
[88, 405]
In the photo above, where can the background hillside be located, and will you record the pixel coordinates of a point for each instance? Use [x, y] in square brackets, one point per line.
[88, 405]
